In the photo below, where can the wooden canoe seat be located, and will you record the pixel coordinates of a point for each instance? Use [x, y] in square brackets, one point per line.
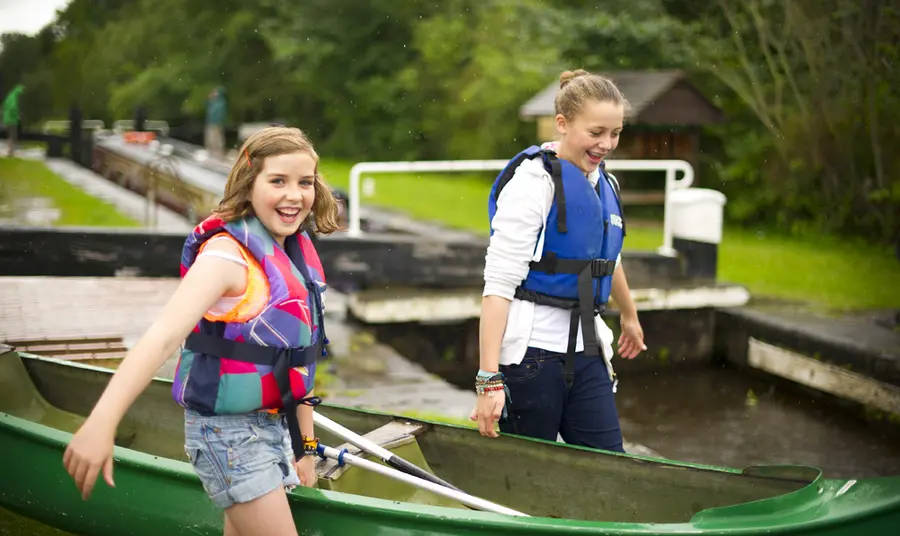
[392, 435]
[75, 349]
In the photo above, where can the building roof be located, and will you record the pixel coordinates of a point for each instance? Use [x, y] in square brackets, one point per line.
[641, 88]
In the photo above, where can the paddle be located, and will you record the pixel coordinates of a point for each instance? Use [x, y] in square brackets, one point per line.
[342, 457]
[374, 449]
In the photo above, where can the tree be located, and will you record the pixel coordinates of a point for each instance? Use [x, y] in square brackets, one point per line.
[816, 75]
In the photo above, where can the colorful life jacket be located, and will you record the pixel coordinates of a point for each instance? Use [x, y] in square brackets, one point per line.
[584, 233]
[262, 354]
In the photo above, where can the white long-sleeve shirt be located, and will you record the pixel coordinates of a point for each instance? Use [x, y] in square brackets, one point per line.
[518, 238]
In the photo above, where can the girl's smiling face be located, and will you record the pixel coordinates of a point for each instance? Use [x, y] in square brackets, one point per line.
[284, 192]
[591, 135]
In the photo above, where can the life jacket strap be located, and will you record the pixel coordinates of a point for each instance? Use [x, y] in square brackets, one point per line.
[282, 360]
[582, 309]
[551, 264]
[205, 343]
[559, 193]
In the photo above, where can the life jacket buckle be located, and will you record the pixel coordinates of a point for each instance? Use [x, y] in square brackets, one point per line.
[602, 267]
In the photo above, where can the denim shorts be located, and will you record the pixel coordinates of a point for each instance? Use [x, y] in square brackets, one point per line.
[239, 458]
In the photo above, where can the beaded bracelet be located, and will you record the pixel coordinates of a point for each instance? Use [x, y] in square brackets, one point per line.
[490, 383]
[491, 390]
[310, 445]
[486, 382]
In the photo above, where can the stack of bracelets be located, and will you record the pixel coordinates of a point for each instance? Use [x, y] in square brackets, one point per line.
[488, 382]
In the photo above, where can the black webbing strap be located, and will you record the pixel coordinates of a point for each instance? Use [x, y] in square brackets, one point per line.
[581, 309]
[544, 299]
[558, 193]
[584, 311]
[586, 307]
[281, 371]
[282, 360]
[551, 264]
[573, 340]
[251, 353]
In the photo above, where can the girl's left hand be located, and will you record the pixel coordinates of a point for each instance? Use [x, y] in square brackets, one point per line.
[306, 470]
[631, 341]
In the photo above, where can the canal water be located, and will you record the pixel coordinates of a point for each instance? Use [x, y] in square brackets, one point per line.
[708, 414]
[721, 416]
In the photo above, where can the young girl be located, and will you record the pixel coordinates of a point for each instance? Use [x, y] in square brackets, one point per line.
[552, 263]
[250, 308]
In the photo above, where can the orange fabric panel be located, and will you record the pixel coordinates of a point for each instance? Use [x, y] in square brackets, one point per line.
[256, 295]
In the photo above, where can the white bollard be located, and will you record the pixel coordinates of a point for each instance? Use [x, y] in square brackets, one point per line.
[697, 221]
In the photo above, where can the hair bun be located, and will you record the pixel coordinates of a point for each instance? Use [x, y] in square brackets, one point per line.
[568, 76]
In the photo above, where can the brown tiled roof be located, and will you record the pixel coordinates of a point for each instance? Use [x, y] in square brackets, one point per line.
[641, 88]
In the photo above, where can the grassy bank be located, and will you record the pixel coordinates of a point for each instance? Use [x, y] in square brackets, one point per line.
[28, 179]
[817, 269]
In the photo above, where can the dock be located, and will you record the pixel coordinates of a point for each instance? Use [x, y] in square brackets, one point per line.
[409, 293]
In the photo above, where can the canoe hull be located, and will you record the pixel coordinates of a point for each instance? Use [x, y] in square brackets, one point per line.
[156, 496]
[161, 495]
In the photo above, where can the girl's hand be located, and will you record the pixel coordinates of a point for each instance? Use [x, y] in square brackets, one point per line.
[631, 341]
[487, 411]
[306, 470]
[90, 450]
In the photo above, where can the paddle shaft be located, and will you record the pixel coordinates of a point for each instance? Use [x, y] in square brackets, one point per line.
[464, 498]
[375, 449]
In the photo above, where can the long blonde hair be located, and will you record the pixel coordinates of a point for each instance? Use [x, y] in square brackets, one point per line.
[274, 141]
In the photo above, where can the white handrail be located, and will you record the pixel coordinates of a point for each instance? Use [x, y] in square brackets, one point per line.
[671, 167]
[65, 124]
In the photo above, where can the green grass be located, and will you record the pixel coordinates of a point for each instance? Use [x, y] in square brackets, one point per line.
[23, 179]
[454, 199]
[820, 270]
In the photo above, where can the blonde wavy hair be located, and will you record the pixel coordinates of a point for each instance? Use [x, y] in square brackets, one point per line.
[274, 141]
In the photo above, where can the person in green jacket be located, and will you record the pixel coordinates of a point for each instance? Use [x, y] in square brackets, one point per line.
[11, 116]
[214, 135]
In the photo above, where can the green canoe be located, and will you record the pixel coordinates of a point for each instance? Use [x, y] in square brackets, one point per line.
[566, 489]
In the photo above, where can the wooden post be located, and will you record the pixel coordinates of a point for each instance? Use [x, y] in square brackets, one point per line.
[140, 118]
[75, 150]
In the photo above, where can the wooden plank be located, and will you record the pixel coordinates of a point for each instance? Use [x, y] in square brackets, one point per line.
[73, 348]
[825, 377]
[69, 341]
[77, 308]
[392, 435]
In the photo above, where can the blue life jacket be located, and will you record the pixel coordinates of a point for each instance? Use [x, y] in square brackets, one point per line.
[583, 237]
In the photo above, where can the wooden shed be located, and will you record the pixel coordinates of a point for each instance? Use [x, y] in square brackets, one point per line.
[667, 113]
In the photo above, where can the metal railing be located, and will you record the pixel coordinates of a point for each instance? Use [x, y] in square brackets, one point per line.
[671, 168]
[121, 125]
[63, 125]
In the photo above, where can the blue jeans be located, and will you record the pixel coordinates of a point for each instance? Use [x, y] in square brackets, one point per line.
[239, 458]
[542, 404]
